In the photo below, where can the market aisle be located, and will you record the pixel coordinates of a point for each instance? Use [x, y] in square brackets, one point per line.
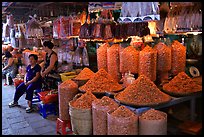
[15, 121]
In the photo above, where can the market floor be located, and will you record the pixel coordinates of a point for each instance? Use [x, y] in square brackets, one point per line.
[15, 121]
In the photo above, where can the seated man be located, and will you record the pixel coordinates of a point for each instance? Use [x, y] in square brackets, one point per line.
[32, 81]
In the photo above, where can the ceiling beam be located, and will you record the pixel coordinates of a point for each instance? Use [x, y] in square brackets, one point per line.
[10, 3]
[20, 7]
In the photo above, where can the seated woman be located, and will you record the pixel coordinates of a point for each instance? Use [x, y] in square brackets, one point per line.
[32, 81]
[49, 71]
[9, 66]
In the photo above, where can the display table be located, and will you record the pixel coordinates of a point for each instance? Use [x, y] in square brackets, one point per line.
[174, 101]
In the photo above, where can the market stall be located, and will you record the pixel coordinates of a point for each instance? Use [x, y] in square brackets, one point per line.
[123, 61]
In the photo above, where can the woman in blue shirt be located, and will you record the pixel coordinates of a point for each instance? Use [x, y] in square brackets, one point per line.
[32, 81]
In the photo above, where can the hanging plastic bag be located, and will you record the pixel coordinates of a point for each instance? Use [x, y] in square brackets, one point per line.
[5, 30]
[10, 21]
[76, 26]
[64, 29]
[77, 58]
[84, 32]
[85, 57]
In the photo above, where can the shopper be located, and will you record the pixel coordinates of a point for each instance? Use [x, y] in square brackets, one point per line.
[9, 66]
[50, 65]
[32, 81]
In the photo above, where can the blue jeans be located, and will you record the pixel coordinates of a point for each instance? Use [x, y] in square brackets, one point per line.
[21, 89]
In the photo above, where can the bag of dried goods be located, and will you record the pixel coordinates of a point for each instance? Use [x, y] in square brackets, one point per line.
[123, 31]
[107, 31]
[84, 31]
[67, 91]
[147, 62]
[102, 56]
[121, 48]
[117, 31]
[122, 121]
[131, 29]
[142, 92]
[81, 113]
[182, 85]
[129, 60]
[101, 82]
[153, 122]
[85, 57]
[76, 26]
[114, 62]
[98, 30]
[163, 60]
[100, 108]
[64, 29]
[178, 57]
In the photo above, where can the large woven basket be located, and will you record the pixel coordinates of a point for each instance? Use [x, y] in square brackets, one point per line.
[81, 119]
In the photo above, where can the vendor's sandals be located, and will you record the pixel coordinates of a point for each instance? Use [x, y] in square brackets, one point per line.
[29, 109]
[13, 104]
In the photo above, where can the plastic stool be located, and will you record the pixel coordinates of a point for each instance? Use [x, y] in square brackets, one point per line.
[47, 109]
[62, 125]
[36, 98]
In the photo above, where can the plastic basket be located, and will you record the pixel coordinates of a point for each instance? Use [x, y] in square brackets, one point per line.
[67, 75]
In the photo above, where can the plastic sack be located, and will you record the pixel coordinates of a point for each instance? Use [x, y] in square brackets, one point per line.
[163, 57]
[122, 121]
[100, 108]
[67, 90]
[129, 60]
[153, 122]
[178, 57]
[85, 57]
[102, 56]
[148, 63]
[114, 62]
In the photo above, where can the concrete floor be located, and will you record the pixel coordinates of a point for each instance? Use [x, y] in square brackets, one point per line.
[15, 121]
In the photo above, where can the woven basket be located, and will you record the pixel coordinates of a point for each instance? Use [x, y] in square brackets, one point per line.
[81, 119]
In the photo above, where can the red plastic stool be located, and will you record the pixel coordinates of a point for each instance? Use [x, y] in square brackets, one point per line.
[62, 125]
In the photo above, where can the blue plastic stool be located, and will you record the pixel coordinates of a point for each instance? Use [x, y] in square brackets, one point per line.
[47, 109]
[36, 98]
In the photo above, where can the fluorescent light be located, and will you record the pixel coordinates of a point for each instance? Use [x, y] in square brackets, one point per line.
[194, 33]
